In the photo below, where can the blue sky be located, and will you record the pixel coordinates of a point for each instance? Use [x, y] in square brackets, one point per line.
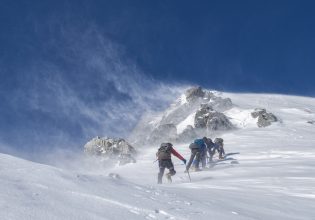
[71, 70]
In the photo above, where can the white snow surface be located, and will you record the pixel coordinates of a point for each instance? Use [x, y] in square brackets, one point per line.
[274, 177]
[188, 121]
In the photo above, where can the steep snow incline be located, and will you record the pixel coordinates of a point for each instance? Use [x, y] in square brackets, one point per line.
[241, 118]
[272, 177]
[36, 191]
[188, 121]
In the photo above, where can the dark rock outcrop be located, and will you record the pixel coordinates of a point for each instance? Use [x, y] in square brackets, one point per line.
[163, 126]
[208, 118]
[202, 115]
[195, 96]
[194, 93]
[111, 148]
[264, 118]
[178, 111]
[218, 121]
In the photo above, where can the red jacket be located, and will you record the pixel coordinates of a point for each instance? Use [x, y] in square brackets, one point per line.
[176, 154]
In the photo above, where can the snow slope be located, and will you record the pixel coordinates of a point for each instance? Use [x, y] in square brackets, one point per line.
[272, 177]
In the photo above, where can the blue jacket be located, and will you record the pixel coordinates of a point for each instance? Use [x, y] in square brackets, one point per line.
[201, 144]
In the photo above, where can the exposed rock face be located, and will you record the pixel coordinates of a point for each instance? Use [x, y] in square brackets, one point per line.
[218, 121]
[164, 133]
[178, 111]
[188, 134]
[264, 118]
[202, 116]
[113, 148]
[162, 126]
[257, 112]
[208, 118]
[194, 93]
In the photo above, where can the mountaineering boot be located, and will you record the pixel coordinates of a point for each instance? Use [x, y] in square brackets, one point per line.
[168, 177]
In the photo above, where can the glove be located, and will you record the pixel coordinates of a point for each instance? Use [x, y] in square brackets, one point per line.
[184, 161]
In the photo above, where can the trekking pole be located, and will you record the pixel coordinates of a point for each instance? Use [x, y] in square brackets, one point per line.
[188, 175]
[155, 160]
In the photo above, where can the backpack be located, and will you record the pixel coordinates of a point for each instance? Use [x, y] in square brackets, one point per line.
[164, 152]
[209, 143]
[218, 141]
[193, 146]
[200, 143]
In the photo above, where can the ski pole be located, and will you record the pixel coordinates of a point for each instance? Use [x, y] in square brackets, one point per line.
[188, 175]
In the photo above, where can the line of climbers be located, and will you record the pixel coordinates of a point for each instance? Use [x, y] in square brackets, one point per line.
[199, 150]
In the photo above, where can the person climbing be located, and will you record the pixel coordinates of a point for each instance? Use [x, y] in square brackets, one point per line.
[218, 142]
[197, 148]
[210, 149]
[164, 156]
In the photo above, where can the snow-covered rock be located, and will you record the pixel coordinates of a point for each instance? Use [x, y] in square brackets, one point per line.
[112, 148]
[194, 93]
[208, 118]
[161, 127]
[264, 118]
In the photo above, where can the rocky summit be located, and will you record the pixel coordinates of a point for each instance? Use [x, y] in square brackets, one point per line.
[194, 93]
[195, 113]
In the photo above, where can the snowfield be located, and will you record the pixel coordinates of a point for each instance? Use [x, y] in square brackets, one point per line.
[270, 176]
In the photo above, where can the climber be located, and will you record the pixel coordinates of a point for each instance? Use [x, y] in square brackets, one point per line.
[219, 147]
[210, 147]
[197, 148]
[165, 161]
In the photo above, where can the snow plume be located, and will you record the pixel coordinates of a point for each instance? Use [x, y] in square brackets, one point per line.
[83, 85]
